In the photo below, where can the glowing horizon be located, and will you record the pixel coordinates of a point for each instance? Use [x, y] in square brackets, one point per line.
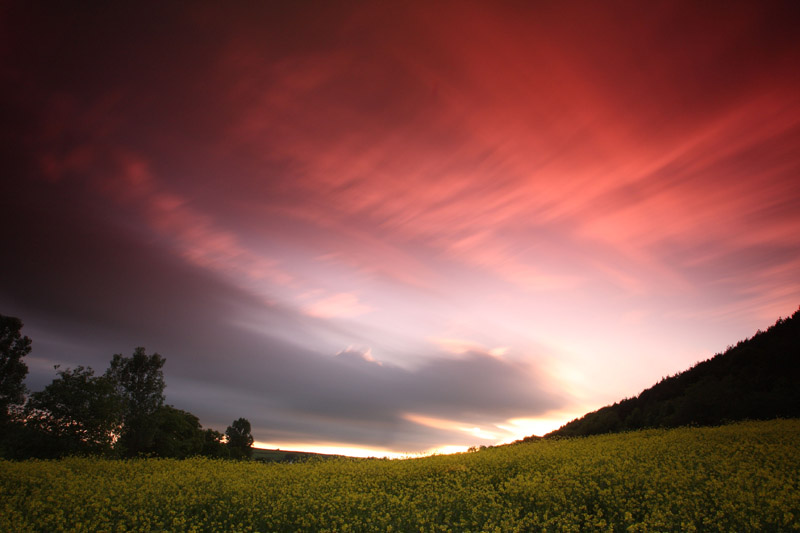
[355, 451]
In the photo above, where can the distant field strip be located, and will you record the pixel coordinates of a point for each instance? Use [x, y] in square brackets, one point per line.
[740, 477]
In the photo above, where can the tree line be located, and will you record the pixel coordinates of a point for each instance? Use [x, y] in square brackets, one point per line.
[120, 413]
[757, 379]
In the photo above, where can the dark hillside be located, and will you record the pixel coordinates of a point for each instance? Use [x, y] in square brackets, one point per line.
[286, 456]
[759, 378]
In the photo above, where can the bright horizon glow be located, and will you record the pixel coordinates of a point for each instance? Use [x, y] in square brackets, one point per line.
[513, 430]
[355, 451]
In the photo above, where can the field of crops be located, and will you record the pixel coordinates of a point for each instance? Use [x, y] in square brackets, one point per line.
[741, 477]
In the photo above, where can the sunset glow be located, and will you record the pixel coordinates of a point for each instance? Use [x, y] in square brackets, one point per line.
[396, 228]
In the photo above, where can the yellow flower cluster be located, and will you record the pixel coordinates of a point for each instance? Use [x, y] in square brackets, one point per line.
[740, 477]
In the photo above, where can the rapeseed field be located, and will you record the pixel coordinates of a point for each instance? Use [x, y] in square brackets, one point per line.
[739, 477]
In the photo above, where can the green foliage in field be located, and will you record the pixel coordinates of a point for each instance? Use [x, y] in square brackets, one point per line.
[741, 477]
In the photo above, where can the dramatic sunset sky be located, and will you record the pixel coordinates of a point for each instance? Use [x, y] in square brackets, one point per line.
[380, 227]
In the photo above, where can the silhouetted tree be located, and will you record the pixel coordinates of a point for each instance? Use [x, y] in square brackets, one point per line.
[177, 433]
[13, 347]
[121, 412]
[214, 444]
[240, 441]
[78, 413]
[139, 380]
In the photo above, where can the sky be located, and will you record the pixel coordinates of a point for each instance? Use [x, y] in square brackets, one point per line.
[388, 228]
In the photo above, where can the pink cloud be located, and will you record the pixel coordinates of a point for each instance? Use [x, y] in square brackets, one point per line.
[509, 133]
[341, 305]
[520, 151]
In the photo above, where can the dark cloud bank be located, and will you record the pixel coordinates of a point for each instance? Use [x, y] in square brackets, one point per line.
[86, 290]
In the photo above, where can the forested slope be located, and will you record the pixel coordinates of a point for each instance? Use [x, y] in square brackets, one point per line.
[759, 378]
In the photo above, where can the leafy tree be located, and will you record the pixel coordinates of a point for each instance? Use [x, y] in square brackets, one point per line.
[139, 380]
[177, 433]
[13, 347]
[214, 444]
[240, 441]
[78, 413]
